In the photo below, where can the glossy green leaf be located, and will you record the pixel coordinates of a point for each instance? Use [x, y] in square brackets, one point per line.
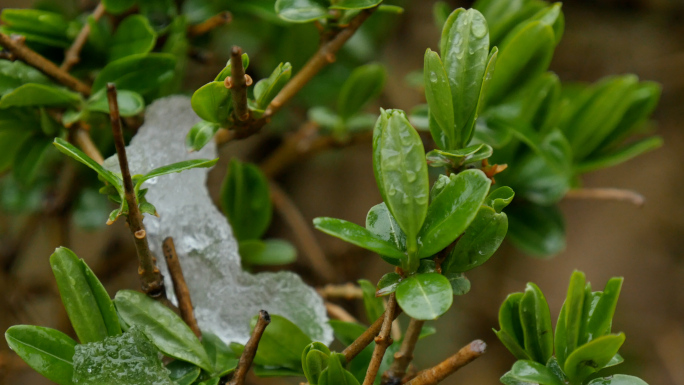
[374, 306]
[48, 351]
[592, 356]
[183, 373]
[271, 252]
[34, 94]
[37, 26]
[363, 85]
[223, 359]
[246, 201]
[314, 361]
[500, 198]
[536, 324]
[401, 172]
[503, 16]
[211, 381]
[512, 334]
[620, 155]
[174, 168]
[133, 36]
[300, 11]
[104, 302]
[425, 296]
[163, 327]
[281, 344]
[460, 284]
[354, 4]
[512, 345]
[357, 235]
[266, 89]
[130, 103]
[78, 298]
[117, 6]
[534, 372]
[479, 242]
[143, 73]
[452, 211]
[388, 284]
[570, 319]
[601, 318]
[440, 104]
[551, 15]
[14, 74]
[200, 134]
[536, 230]
[29, 159]
[336, 374]
[618, 379]
[381, 223]
[213, 102]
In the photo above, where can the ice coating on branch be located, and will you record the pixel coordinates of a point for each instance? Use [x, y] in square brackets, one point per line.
[225, 297]
[129, 359]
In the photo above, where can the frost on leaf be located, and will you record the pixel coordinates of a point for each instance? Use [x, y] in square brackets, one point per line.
[126, 359]
[225, 297]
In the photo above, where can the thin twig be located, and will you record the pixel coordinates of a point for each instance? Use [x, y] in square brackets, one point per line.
[238, 82]
[150, 277]
[250, 349]
[302, 230]
[404, 356]
[382, 341]
[71, 57]
[209, 24]
[42, 64]
[447, 367]
[367, 337]
[82, 139]
[180, 287]
[346, 291]
[613, 194]
[337, 312]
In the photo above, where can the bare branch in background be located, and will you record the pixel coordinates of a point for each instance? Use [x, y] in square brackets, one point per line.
[180, 287]
[447, 367]
[72, 55]
[346, 291]
[209, 24]
[611, 194]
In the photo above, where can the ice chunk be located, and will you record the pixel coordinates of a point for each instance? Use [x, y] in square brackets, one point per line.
[129, 359]
[225, 297]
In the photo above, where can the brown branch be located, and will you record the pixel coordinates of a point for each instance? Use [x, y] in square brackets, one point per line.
[250, 349]
[150, 278]
[447, 367]
[382, 341]
[237, 82]
[42, 64]
[82, 139]
[209, 24]
[302, 230]
[613, 194]
[347, 291]
[71, 57]
[180, 287]
[324, 56]
[404, 356]
[337, 312]
[367, 337]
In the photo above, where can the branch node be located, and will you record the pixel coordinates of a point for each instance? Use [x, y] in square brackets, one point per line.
[140, 234]
[248, 80]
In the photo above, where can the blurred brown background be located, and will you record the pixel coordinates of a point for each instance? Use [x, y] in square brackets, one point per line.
[605, 239]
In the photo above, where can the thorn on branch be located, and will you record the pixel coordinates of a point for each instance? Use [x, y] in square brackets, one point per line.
[250, 349]
[71, 57]
[447, 367]
[382, 341]
[151, 279]
[180, 287]
[607, 194]
[209, 24]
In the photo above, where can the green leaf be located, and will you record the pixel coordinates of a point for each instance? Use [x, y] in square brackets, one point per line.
[465, 51]
[226, 71]
[401, 172]
[454, 159]
[438, 95]
[183, 373]
[592, 356]
[601, 318]
[387, 284]
[620, 155]
[133, 36]
[117, 6]
[570, 319]
[460, 284]
[354, 4]
[536, 324]
[213, 102]
[479, 242]
[363, 85]
[200, 134]
[162, 326]
[357, 235]
[174, 168]
[512, 334]
[48, 351]
[13, 74]
[315, 359]
[512, 345]
[534, 372]
[143, 73]
[425, 296]
[266, 89]
[375, 306]
[271, 252]
[78, 298]
[221, 356]
[324, 117]
[536, 230]
[300, 11]
[500, 198]
[503, 16]
[618, 379]
[452, 211]
[130, 103]
[29, 159]
[104, 302]
[336, 374]
[34, 94]
[381, 223]
[281, 344]
[246, 200]
[37, 26]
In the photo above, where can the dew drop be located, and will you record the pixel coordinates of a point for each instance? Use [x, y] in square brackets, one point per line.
[433, 76]
[410, 176]
[478, 28]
